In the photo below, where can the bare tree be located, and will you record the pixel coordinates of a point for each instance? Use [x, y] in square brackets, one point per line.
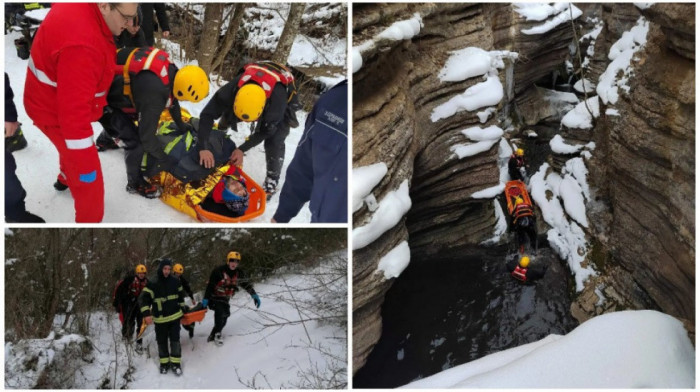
[210, 35]
[291, 29]
[234, 23]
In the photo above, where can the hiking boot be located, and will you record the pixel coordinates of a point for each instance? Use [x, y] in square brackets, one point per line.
[164, 368]
[138, 348]
[59, 186]
[210, 338]
[270, 187]
[218, 339]
[15, 142]
[191, 333]
[146, 190]
[176, 369]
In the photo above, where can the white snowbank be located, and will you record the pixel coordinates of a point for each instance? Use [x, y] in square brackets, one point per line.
[489, 193]
[464, 64]
[405, 29]
[487, 93]
[577, 168]
[566, 238]
[391, 209]
[468, 150]
[572, 196]
[364, 179]
[401, 30]
[584, 84]
[536, 11]
[562, 15]
[559, 146]
[630, 349]
[621, 53]
[395, 261]
[553, 95]
[580, 117]
[479, 134]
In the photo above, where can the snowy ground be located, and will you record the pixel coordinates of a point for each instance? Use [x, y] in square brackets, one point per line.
[630, 349]
[38, 164]
[255, 352]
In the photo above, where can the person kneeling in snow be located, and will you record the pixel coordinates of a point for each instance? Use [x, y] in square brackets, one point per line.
[223, 284]
[523, 271]
[161, 303]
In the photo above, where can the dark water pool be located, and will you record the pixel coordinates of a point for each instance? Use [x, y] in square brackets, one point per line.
[442, 313]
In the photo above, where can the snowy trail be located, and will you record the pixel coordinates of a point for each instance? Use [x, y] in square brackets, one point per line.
[37, 166]
[248, 351]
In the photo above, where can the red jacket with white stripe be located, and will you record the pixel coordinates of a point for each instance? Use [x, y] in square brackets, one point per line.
[70, 69]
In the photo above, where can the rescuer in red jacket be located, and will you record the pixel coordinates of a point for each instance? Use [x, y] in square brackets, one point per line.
[69, 72]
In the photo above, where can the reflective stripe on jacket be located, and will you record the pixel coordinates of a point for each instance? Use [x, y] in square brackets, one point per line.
[70, 71]
[163, 300]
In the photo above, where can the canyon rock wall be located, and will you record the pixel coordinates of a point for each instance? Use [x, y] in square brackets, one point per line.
[644, 172]
[394, 94]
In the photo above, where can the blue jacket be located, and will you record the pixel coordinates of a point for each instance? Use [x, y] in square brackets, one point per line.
[319, 170]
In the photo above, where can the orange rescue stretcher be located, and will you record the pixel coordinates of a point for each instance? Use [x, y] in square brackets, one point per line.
[515, 189]
[187, 198]
[193, 317]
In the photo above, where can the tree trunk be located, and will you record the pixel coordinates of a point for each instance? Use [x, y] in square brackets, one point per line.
[234, 24]
[291, 28]
[210, 35]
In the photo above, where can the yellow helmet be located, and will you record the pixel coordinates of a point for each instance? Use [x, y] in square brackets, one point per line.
[233, 256]
[178, 268]
[249, 102]
[191, 84]
[524, 262]
[140, 269]
[519, 152]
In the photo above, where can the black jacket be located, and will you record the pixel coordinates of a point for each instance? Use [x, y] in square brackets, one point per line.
[186, 286]
[163, 299]
[221, 104]
[126, 40]
[150, 97]
[148, 25]
[217, 275]
[123, 293]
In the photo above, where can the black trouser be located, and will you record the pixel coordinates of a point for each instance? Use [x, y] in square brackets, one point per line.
[525, 233]
[120, 125]
[169, 331]
[188, 327]
[221, 310]
[274, 152]
[132, 318]
[15, 209]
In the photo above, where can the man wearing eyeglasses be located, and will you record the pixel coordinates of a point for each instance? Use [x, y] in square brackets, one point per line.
[68, 75]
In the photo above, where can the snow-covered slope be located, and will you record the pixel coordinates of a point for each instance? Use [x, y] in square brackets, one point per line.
[630, 349]
[37, 166]
[267, 348]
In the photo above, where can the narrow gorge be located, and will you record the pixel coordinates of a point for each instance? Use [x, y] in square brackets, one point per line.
[635, 246]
